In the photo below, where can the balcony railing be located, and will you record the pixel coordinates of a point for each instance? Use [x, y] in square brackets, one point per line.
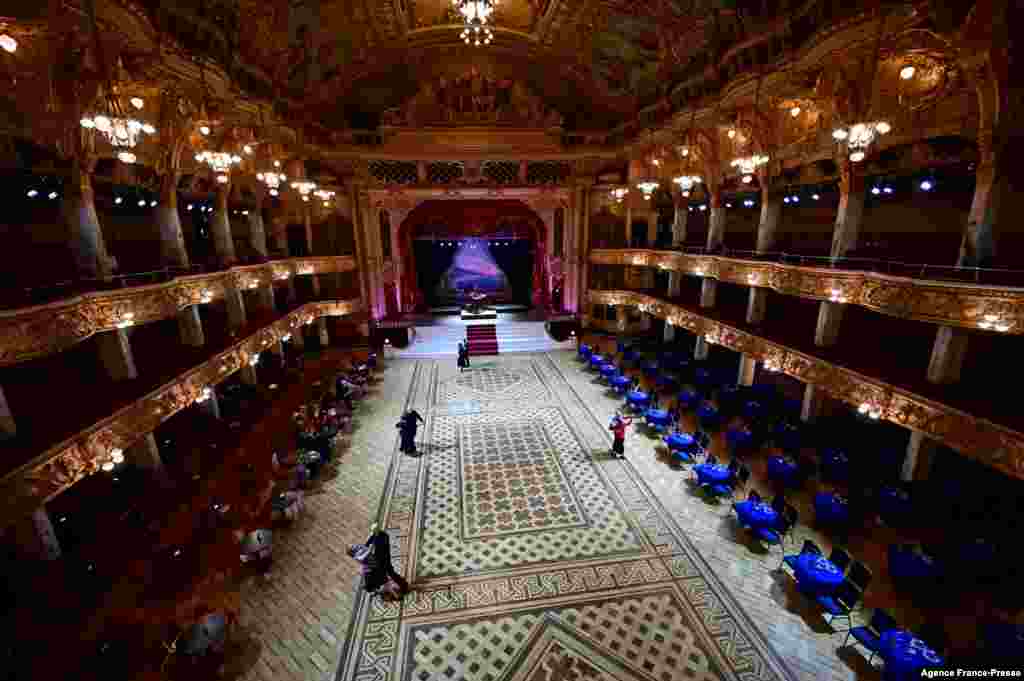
[62, 465]
[992, 444]
[898, 292]
[31, 332]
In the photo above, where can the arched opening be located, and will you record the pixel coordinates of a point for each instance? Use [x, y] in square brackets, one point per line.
[451, 248]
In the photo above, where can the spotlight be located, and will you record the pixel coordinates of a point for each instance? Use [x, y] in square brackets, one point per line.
[794, 112]
[728, 205]
[887, 190]
[796, 199]
[152, 204]
[748, 202]
[876, 191]
[785, 200]
[137, 102]
[815, 197]
[8, 44]
[189, 207]
[703, 206]
[32, 193]
[907, 72]
[142, 203]
[118, 200]
[205, 129]
[926, 185]
[52, 195]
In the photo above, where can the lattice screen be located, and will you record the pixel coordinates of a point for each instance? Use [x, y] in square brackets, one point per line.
[501, 172]
[547, 172]
[393, 172]
[444, 172]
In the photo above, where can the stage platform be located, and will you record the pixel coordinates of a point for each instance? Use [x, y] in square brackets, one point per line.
[500, 308]
[442, 339]
[485, 313]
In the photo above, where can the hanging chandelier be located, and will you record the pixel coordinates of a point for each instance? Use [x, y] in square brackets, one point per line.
[647, 187]
[324, 195]
[477, 16]
[273, 179]
[305, 188]
[618, 194]
[220, 162]
[686, 183]
[120, 130]
[747, 166]
[860, 136]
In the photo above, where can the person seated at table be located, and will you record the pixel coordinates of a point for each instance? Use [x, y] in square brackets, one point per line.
[734, 467]
[753, 497]
[654, 399]
[779, 501]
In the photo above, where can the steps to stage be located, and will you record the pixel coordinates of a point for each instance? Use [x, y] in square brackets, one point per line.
[483, 340]
[443, 340]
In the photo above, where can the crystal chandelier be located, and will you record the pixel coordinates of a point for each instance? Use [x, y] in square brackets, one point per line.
[477, 15]
[305, 188]
[647, 187]
[272, 179]
[748, 165]
[686, 183]
[859, 137]
[324, 195]
[619, 193]
[120, 131]
[220, 162]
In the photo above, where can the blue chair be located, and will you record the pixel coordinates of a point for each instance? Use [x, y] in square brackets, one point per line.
[841, 603]
[808, 547]
[871, 636]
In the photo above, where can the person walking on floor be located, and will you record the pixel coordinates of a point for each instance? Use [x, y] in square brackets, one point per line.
[407, 427]
[375, 558]
[463, 361]
[618, 427]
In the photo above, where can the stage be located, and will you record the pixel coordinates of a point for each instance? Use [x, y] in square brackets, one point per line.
[521, 330]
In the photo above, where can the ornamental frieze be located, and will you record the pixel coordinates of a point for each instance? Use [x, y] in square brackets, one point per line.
[998, 308]
[64, 464]
[33, 332]
[992, 444]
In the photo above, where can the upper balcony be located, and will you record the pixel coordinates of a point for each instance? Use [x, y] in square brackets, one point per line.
[968, 297]
[31, 332]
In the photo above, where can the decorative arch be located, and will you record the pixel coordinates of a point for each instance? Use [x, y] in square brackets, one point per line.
[472, 218]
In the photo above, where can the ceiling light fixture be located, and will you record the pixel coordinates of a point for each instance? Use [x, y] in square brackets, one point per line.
[860, 137]
[204, 129]
[305, 188]
[731, 133]
[686, 182]
[477, 15]
[618, 194]
[137, 102]
[748, 165]
[272, 180]
[8, 44]
[907, 72]
[647, 187]
[795, 111]
[220, 162]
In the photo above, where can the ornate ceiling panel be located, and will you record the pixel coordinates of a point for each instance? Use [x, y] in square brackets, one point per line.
[987, 442]
[937, 302]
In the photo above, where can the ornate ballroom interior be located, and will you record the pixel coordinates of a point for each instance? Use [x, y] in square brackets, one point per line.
[242, 241]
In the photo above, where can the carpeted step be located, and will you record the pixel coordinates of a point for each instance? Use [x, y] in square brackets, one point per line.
[483, 339]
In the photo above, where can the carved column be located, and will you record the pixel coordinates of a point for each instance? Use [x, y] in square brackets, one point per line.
[35, 538]
[669, 333]
[421, 172]
[701, 348]
[325, 338]
[257, 231]
[771, 210]
[90, 251]
[248, 375]
[813, 404]
[237, 317]
[844, 239]
[523, 172]
[652, 227]
[211, 406]
[362, 261]
[920, 456]
[220, 227]
[8, 428]
[948, 352]
[680, 215]
[172, 240]
[585, 250]
[629, 220]
[748, 366]
[190, 326]
[116, 354]
[145, 454]
[716, 233]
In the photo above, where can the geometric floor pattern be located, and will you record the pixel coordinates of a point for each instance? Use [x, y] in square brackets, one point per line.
[534, 555]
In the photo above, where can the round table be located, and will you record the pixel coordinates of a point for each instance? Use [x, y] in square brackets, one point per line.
[679, 441]
[757, 514]
[906, 655]
[781, 469]
[585, 351]
[637, 399]
[665, 381]
[712, 474]
[706, 411]
[688, 398]
[831, 509]
[608, 370]
[817, 574]
[597, 360]
[657, 417]
[621, 382]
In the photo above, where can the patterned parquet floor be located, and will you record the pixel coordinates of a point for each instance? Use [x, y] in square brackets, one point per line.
[532, 554]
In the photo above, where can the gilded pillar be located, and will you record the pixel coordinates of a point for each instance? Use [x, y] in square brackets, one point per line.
[220, 227]
[8, 428]
[79, 207]
[190, 326]
[748, 367]
[116, 354]
[844, 239]
[168, 220]
[680, 216]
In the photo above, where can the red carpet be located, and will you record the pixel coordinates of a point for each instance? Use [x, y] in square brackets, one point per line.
[483, 339]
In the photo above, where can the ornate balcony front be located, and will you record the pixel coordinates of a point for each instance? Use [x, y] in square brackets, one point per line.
[32, 332]
[970, 306]
[992, 444]
[67, 462]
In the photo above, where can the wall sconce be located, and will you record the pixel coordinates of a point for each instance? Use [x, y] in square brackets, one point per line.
[254, 359]
[127, 319]
[116, 457]
[283, 276]
[994, 323]
[871, 411]
[836, 296]
[254, 283]
[206, 296]
[285, 338]
[204, 395]
[752, 278]
[699, 271]
[771, 365]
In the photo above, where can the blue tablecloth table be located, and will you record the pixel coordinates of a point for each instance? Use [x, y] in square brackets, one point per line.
[608, 370]
[629, 355]
[597, 360]
[702, 376]
[906, 655]
[621, 346]
[831, 509]
[707, 414]
[782, 470]
[753, 410]
[688, 398]
[787, 436]
[737, 439]
[1004, 642]
[679, 441]
[756, 514]
[585, 351]
[657, 417]
[620, 382]
[712, 474]
[638, 399]
[816, 574]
